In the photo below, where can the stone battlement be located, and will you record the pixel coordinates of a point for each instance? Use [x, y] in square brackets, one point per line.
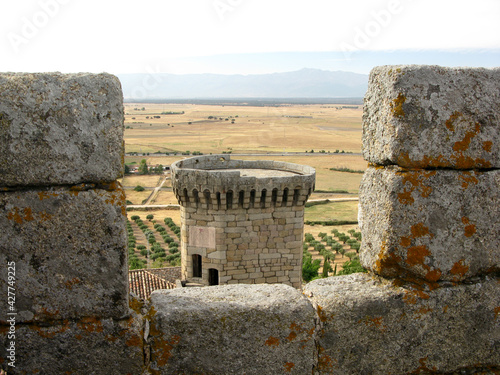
[218, 182]
[429, 215]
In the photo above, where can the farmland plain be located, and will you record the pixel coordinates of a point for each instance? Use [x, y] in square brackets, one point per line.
[326, 137]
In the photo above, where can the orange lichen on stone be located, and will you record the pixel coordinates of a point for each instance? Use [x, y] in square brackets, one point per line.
[416, 255]
[397, 105]
[416, 181]
[464, 144]
[20, 216]
[289, 366]
[163, 349]
[406, 197]
[424, 310]
[469, 229]
[376, 322]
[322, 316]
[449, 123]
[420, 230]
[497, 312]
[459, 268]
[69, 283]
[467, 179]
[426, 161]
[423, 369]
[325, 362]
[487, 146]
[388, 261]
[433, 275]
[292, 336]
[135, 340]
[90, 325]
[272, 341]
[50, 332]
[46, 195]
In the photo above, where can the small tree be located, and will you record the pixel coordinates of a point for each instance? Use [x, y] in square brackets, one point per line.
[326, 268]
[150, 217]
[139, 188]
[143, 168]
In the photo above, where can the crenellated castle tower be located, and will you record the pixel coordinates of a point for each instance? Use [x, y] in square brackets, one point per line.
[242, 221]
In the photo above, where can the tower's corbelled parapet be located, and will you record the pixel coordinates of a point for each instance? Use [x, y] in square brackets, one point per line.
[242, 221]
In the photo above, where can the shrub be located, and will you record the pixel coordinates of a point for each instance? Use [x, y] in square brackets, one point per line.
[310, 268]
[139, 188]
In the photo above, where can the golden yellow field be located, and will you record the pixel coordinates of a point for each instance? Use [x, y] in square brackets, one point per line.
[322, 136]
[209, 128]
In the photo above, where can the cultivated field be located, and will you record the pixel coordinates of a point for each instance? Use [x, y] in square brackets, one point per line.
[322, 136]
[241, 129]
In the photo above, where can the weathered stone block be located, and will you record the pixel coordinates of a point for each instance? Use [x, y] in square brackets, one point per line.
[431, 224]
[430, 116]
[69, 249]
[372, 326]
[60, 128]
[259, 329]
[86, 346]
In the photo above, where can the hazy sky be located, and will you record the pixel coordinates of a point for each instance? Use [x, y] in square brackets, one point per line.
[245, 36]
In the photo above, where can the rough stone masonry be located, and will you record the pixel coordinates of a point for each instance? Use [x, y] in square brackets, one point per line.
[62, 220]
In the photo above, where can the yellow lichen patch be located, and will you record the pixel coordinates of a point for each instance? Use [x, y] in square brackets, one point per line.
[459, 269]
[272, 341]
[90, 325]
[397, 106]
[289, 366]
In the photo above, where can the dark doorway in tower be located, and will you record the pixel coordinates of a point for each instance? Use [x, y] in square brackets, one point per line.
[196, 265]
[213, 276]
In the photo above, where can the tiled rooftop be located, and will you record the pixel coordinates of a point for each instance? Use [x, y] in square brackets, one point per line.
[143, 283]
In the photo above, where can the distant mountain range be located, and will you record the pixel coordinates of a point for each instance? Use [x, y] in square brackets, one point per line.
[304, 83]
